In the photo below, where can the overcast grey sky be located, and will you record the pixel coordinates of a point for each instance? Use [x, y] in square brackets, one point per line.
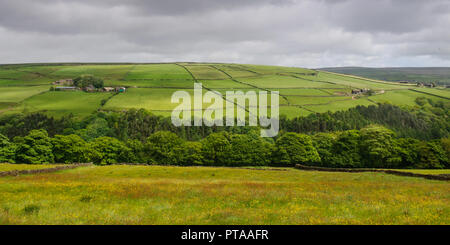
[302, 33]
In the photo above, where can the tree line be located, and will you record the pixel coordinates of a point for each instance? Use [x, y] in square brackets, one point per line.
[404, 137]
[371, 147]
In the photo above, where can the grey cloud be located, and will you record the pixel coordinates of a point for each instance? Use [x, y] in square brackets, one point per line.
[289, 32]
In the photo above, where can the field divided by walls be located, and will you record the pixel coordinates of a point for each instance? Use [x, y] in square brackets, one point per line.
[25, 88]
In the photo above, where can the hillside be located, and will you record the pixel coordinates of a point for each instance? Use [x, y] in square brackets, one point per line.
[438, 75]
[26, 87]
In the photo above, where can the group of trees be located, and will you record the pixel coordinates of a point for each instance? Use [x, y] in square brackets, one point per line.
[404, 138]
[429, 120]
[371, 147]
[84, 81]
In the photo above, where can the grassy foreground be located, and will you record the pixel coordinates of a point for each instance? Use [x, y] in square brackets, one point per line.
[4, 167]
[203, 195]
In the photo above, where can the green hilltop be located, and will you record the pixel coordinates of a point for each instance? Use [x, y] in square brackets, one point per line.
[30, 87]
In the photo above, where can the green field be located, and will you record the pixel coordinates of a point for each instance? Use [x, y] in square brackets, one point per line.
[207, 195]
[150, 86]
[62, 103]
[441, 75]
[403, 97]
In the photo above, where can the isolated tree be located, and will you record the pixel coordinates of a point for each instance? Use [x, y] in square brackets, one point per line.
[34, 148]
[298, 148]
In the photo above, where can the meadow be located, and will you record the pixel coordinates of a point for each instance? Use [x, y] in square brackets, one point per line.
[4, 167]
[210, 195]
[24, 88]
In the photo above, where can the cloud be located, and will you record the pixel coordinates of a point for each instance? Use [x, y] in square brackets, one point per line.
[289, 32]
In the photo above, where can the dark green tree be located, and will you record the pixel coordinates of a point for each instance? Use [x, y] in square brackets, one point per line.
[164, 148]
[346, 150]
[323, 142]
[217, 149]
[70, 149]
[7, 150]
[107, 150]
[299, 149]
[379, 148]
[35, 148]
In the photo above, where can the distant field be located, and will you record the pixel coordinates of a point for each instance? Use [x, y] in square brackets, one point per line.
[150, 86]
[339, 105]
[441, 75]
[402, 97]
[60, 103]
[226, 196]
[206, 72]
[17, 94]
[276, 81]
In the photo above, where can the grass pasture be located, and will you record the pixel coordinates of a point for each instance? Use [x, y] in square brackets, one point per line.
[17, 94]
[402, 97]
[204, 72]
[339, 105]
[276, 81]
[60, 103]
[207, 195]
[150, 86]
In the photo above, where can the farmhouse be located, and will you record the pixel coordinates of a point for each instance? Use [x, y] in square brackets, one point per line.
[108, 89]
[358, 91]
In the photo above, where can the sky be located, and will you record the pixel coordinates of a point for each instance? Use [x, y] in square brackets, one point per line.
[301, 33]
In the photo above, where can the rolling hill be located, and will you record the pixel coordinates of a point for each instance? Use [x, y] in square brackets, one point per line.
[26, 87]
[439, 75]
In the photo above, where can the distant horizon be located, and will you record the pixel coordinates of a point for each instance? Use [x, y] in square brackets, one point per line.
[217, 62]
